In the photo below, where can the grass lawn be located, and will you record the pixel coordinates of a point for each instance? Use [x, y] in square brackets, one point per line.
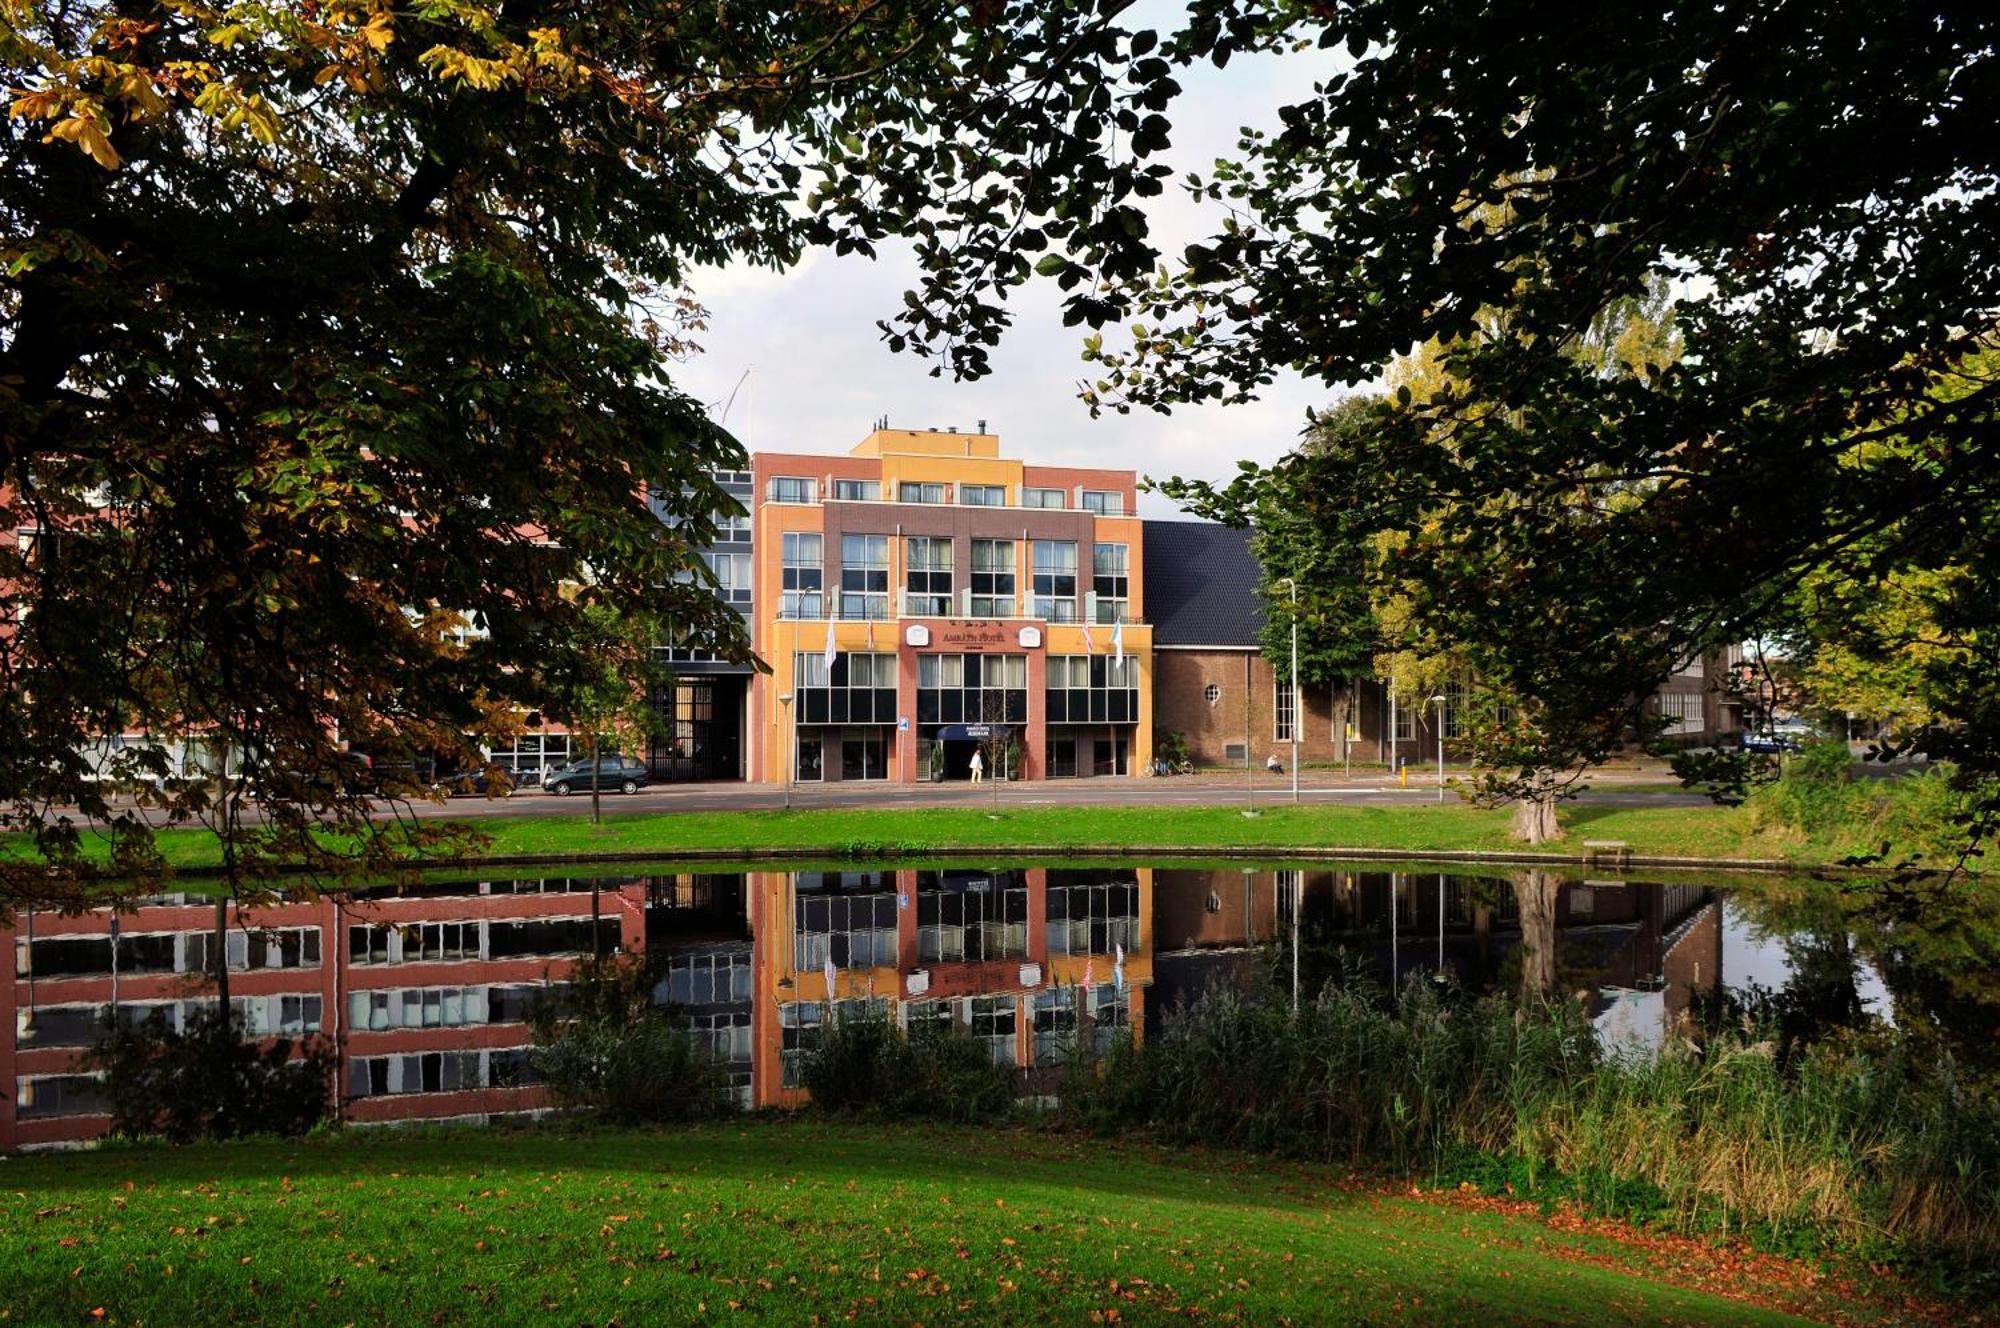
[1680, 831]
[799, 1221]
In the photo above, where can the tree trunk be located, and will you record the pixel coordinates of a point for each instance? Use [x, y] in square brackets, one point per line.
[596, 780]
[1535, 893]
[219, 945]
[1535, 821]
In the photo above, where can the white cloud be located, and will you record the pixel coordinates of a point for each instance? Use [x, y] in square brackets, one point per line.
[819, 374]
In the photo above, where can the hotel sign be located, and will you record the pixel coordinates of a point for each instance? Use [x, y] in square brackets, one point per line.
[976, 634]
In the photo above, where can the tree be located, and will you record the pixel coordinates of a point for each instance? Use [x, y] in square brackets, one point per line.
[1811, 185]
[336, 342]
[605, 692]
[1535, 739]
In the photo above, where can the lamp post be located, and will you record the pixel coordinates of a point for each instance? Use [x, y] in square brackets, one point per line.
[1439, 702]
[791, 743]
[1395, 754]
[1292, 586]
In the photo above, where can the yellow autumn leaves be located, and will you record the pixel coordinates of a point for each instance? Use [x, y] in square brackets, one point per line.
[85, 81]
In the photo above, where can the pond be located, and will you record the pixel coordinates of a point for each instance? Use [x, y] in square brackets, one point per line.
[425, 990]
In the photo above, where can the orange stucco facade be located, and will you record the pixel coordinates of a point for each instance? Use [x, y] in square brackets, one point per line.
[919, 544]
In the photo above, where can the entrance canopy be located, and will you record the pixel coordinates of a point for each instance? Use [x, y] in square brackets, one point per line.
[971, 732]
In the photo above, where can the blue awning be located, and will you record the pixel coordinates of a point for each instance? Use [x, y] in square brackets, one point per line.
[972, 732]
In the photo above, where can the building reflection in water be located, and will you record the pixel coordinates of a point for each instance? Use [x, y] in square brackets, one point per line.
[1635, 953]
[426, 992]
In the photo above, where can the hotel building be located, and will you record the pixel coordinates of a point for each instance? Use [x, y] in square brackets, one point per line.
[924, 597]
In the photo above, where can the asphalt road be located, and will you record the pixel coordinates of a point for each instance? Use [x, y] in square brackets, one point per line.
[1316, 788]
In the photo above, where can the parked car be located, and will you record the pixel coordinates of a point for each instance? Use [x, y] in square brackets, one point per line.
[1786, 737]
[488, 781]
[615, 774]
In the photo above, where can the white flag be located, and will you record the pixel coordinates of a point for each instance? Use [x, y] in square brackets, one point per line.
[829, 651]
[832, 978]
[1118, 640]
[1118, 968]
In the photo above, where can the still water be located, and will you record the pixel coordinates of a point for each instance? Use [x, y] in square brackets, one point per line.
[425, 991]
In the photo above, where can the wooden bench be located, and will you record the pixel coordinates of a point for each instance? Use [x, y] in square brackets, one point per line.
[1613, 850]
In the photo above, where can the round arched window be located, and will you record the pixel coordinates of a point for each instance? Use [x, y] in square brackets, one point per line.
[1212, 693]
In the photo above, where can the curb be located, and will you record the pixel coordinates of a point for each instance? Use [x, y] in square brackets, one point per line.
[892, 851]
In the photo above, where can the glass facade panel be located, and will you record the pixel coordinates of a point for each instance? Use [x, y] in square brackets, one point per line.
[804, 576]
[864, 576]
[927, 568]
[992, 578]
[1055, 580]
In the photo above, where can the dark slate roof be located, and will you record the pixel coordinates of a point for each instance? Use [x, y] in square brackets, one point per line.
[1201, 585]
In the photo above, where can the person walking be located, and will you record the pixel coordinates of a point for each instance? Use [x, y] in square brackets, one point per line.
[978, 765]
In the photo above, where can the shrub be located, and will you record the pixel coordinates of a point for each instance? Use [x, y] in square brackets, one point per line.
[1849, 1140]
[865, 1065]
[602, 1045]
[1918, 816]
[205, 1080]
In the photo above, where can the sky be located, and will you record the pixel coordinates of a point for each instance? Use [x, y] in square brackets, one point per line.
[819, 374]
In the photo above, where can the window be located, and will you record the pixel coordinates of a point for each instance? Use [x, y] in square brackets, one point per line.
[992, 1019]
[433, 1007]
[707, 979]
[858, 688]
[864, 576]
[811, 754]
[732, 530]
[282, 947]
[1055, 1024]
[982, 495]
[911, 492]
[972, 689]
[856, 931]
[1104, 502]
[803, 576]
[60, 1095]
[864, 754]
[971, 918]
[1061, 757]
[1092, 689]
[1112, 581]
[992, 578]
[1282, 699]
[1405, 727]
[927, 576]
[732, 575]
[927, 1017]
[1044, 498]
[1454, 710]
[1211, 693]
[1055, 580]
[858, 491]
[1110, 1016]
[1682, 711]
[1090, 914]
[425, 1072]
[550, 936]
[791, 489]
[529, 752]
[799, 1024]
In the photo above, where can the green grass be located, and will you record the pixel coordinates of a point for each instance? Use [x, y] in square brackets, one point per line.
[1680, 831]
[795, 1221]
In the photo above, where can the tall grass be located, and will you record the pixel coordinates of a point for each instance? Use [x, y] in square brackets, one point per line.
[1849, 1145]
[865, 1065]
[1922, 816]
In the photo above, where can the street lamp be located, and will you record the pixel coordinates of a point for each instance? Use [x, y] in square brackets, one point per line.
[1292, 586]
[1439, 702]
[791, 744]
